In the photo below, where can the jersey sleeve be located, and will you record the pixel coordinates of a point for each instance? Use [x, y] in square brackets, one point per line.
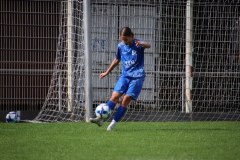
[118, 53]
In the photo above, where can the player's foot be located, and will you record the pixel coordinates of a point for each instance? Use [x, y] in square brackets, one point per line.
[110, 128]
[99, 122]
[111, 125]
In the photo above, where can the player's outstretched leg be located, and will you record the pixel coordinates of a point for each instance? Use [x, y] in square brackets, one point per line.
[98, 121]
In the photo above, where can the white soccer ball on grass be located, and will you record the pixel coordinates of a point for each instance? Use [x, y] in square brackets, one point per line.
[12, 117]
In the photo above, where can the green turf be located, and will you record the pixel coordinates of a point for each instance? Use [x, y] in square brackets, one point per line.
[129, 141]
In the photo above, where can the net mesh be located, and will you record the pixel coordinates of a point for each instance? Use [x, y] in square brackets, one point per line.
[60, 105]
[215, 93]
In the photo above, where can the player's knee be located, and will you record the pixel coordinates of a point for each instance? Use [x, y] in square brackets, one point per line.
[126, 100]
[114, 99]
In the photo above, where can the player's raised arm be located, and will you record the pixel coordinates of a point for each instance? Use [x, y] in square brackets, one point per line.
[111, 67]
[144, 44]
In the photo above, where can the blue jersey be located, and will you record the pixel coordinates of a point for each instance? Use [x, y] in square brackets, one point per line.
[132, 58]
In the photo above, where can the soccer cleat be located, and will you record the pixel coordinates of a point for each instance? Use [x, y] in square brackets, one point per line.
[98, 121]
[110, 127]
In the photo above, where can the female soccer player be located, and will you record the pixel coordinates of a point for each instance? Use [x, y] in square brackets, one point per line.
[131, 52]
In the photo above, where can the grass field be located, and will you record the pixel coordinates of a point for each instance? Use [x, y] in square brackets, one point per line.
[129, 141]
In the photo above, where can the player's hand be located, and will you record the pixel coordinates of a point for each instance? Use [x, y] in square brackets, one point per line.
[138, 43]
[103, 75]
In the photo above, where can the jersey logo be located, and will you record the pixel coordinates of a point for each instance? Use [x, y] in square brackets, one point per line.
[129, 63]
[124, 52]
[134, 52]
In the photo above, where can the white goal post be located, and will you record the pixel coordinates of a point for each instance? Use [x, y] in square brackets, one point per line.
[189, 67]
[192, 68]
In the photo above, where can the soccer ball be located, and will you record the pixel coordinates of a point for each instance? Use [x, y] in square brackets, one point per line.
[12, 117]
[103, 111]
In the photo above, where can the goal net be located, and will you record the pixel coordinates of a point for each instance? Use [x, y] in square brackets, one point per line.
[192, 68]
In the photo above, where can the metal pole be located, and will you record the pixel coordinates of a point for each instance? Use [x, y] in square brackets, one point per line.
[60, 91]
[70, 54]
[183, 90]
[88, 59]
[189, 48]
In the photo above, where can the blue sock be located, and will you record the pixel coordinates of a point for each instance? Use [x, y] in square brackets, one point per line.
[111, 104]
[120, 112]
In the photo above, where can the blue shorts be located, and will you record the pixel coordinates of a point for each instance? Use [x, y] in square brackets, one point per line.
[129, 86]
